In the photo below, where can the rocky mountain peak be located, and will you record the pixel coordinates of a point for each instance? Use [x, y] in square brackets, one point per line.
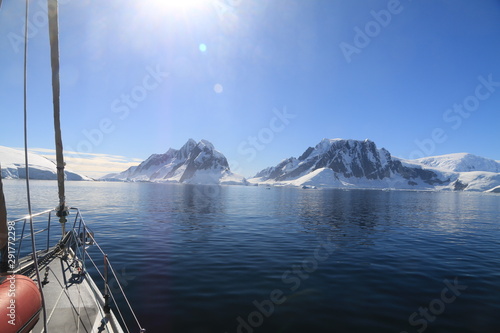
[194, 162]
[350, 160]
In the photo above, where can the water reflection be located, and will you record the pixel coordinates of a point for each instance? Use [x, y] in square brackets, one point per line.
[211, 251]
[189, 199]
[203, 199]
[345, 215]
[188, 211]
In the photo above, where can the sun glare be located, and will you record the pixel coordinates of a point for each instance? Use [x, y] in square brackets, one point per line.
[177, 5]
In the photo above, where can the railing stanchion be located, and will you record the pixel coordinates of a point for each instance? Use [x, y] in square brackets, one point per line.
[48, 232]
[20, 243]
[106, 286]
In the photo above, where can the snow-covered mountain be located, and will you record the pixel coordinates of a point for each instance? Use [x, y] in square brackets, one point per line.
[461, 162]
[350, 163]
[360, 164]
[13, 166]
[494, 190]
[194, 163]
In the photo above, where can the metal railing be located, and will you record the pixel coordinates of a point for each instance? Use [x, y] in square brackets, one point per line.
[25, 220]
[76, 239]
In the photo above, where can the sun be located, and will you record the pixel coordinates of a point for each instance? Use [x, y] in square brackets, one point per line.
[176, 5]
[156, 13]
[163, 9]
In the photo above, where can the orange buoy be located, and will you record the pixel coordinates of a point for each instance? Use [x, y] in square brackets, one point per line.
[20, 304]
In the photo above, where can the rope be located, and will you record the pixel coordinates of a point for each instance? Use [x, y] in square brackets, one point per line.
[28, 194]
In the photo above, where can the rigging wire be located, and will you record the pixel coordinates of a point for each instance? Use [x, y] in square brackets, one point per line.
[26, 160]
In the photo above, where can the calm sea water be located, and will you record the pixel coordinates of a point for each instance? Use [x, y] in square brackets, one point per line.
[249, 259]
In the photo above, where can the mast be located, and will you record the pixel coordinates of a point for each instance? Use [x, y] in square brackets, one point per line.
[62, 210]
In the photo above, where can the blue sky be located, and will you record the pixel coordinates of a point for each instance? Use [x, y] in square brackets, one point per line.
[262, 80]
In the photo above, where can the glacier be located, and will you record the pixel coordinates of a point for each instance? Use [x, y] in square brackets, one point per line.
[13, 166]
[332, 163]
[461, 162]
[343, 163]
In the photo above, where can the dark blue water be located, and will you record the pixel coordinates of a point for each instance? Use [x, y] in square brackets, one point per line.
[248, 259]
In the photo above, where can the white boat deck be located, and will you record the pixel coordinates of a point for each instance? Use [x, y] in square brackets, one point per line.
[73, 302]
